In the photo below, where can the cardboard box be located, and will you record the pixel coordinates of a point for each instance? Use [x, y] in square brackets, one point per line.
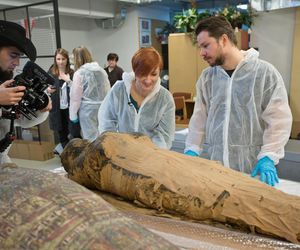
[31, 150]
[46, 134]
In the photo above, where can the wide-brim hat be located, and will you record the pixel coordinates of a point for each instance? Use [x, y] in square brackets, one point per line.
[13, 34]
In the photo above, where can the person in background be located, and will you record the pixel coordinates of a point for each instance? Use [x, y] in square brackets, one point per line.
[60, 95]
[139, 103]
[13, 44]
[90, 86]
[241, 110]
[113, 71]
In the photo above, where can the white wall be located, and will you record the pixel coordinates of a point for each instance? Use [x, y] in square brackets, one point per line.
[273, 36]
[90, 8]
[74, 32]
[123, 40]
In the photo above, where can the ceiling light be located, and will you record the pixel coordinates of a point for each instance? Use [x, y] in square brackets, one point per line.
[242, 6]
[139, 1]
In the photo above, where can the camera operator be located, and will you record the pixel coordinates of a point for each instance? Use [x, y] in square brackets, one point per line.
[13, 44]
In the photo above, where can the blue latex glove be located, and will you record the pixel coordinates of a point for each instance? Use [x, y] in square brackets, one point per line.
[268, 173]
[191, 153]
[75, 121]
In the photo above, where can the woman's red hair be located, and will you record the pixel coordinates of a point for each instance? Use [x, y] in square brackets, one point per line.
[146, 60]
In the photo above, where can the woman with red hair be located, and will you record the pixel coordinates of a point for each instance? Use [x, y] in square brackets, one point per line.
[139, 103]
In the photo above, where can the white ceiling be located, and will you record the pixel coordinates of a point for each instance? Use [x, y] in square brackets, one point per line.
[104, 9]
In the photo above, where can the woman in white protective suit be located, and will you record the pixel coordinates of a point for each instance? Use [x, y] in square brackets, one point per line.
[90, 86]
[241, 110]
[139, 103]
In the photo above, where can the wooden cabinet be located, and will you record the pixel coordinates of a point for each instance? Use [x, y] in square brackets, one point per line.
[185, 63]
[295, 79]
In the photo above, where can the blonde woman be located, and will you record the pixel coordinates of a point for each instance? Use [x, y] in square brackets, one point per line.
[90, 86]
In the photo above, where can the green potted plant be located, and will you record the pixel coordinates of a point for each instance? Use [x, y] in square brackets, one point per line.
[237, 17]
[186, 21]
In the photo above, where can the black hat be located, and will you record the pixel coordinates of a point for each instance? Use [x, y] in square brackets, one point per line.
[13, 34]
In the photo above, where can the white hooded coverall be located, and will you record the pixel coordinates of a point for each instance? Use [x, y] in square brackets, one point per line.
[156, 116]
[90, 86]
[242, 118]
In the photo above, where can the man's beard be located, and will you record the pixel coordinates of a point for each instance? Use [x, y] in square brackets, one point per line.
[5, 75]
[219, 61]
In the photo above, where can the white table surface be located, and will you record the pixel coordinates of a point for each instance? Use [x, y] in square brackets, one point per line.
[290, 187]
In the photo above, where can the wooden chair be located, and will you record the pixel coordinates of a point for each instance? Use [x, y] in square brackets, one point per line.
[186, 95]
[180, 109]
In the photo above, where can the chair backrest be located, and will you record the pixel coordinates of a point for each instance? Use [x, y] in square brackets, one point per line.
[186, 95]
[180, 106]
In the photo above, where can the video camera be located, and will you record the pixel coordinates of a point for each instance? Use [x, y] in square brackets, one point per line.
[36, 81]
